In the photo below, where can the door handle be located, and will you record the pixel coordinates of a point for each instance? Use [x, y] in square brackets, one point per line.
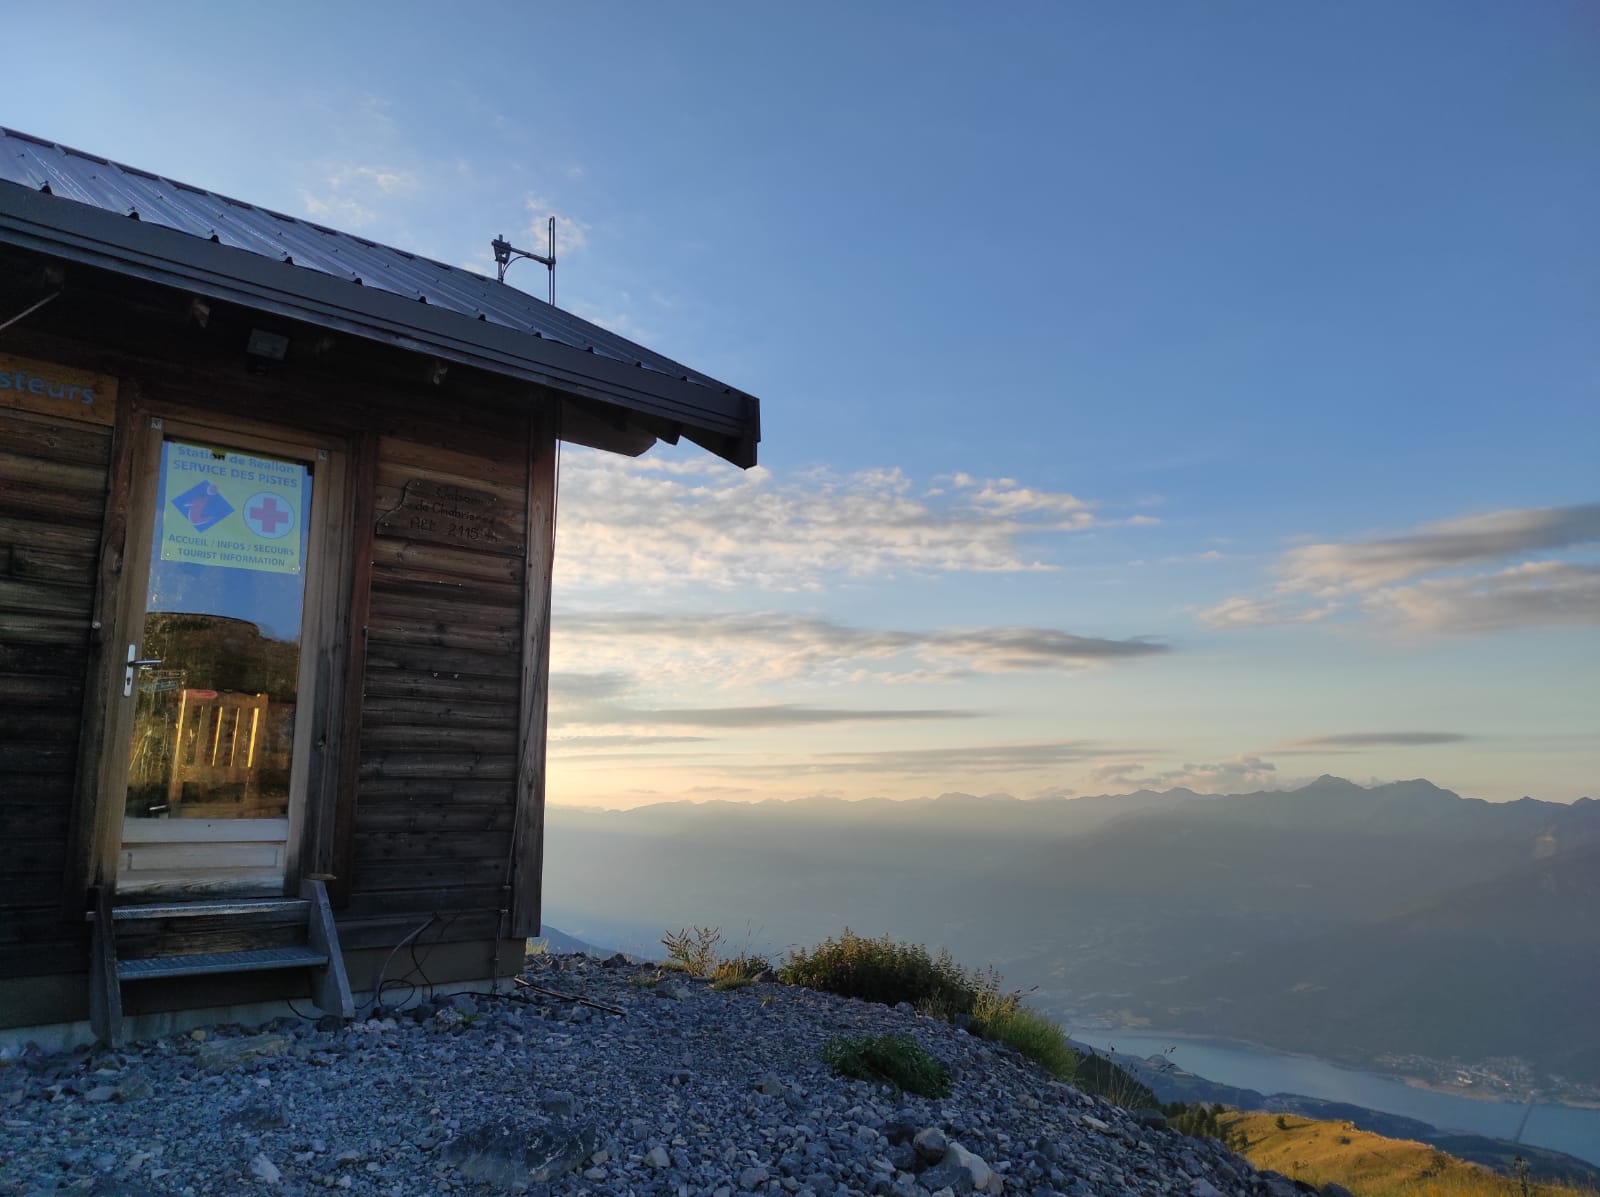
[135, 661]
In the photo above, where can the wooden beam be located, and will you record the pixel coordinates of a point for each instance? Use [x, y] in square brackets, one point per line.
[335, 854]
[92, 814]
[105, 990]
[527, 845]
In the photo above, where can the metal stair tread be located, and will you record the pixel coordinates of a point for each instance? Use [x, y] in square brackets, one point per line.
[180, 910]
[153, 967]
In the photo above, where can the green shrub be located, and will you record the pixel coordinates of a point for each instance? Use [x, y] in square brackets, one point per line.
[896, 1059]
[880, 970]
[1036, 1037]
[730, 981]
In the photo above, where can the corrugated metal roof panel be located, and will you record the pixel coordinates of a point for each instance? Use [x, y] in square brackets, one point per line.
[71, 174]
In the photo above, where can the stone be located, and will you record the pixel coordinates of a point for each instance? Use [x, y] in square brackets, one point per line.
[948, 1178]
[516, 1154]
[101, 1093]
[1336, 1190]
[975, 1167]
[222, 1055]
[771, 1085]
[931, 1144]
[1204, 1188]
[657, 1157]
[751, 1179]
[264, 1169]
[1151, 1119]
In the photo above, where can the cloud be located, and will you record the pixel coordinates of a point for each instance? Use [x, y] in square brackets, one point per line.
[1399, 739]
[336, 210]
[637, 524]
[943, 762]
[1331, 569]
[767, 715]
[351, 195]
[572, 234]
[570, 743]
[1388, 578]
[761, 647]
[1240, 612]
[1239, 774]
[388, 180]
[1536, 594]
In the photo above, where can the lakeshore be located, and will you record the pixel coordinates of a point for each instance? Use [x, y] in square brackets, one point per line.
[1574, 1129]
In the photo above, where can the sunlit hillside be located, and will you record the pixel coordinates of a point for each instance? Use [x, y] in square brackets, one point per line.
[1369, 1165]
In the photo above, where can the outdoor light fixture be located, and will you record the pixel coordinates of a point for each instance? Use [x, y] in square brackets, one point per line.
[272, 346]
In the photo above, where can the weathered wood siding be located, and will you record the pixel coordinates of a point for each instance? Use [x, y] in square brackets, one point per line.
[53, 478]
[441, 692]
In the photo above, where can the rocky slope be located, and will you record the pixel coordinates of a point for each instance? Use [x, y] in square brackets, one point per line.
[682, 1090]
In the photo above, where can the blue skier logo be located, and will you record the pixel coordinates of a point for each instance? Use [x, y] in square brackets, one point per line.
[203, 506]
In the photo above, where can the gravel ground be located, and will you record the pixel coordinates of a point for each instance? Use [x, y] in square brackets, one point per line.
[688, 1092]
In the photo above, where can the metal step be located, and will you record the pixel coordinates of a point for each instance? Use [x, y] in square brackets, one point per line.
[296, 908]
[152, 967]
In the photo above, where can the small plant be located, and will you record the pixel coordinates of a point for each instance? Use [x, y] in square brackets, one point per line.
[745, 967]
[881, 970]
[895, 1059]
[694, 950]
[1098, 1075]
[644, 980]
[1281, 1122]
[731, 982]
[1035, 1036]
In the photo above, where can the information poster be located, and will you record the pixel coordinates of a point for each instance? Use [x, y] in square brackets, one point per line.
[232, 510]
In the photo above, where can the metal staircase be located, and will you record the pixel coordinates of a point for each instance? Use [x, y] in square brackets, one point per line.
[118, 957]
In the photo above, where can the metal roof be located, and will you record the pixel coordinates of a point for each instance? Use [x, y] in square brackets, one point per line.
[454, 313]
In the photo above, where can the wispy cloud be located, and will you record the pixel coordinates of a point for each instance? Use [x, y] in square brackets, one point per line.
[1234, 776]
[351, 196]
[572, 233]
[1383, 739]
[1536, 594]
[743, 648]
[1388, 578]
[944, 762]
[656, 524]
[1334, 569]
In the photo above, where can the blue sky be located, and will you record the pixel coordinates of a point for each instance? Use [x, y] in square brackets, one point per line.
[1152, 394]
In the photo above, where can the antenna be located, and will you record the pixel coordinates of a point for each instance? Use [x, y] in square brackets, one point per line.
[505, 254]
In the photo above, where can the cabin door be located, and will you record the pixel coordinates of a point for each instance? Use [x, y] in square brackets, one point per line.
[219, 648]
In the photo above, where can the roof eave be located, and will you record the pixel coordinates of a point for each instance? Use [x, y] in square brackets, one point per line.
[724, 421]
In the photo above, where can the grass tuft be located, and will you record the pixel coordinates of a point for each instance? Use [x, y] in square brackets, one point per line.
[1036, 1037]
[895, 1059]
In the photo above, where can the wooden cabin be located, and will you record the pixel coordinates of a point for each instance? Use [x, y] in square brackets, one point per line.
[277, 513]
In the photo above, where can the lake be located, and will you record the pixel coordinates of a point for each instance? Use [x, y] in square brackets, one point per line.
[1563, 1128]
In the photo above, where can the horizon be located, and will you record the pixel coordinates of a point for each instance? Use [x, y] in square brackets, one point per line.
[1293, 787]
[1199, 401]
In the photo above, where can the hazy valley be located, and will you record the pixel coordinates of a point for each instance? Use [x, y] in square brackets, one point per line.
[1401, 928]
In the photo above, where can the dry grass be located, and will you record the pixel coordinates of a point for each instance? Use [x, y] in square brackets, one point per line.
[1368, 1164]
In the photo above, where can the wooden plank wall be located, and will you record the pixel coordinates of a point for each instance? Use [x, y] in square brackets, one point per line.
[440, 708]
[53, 477]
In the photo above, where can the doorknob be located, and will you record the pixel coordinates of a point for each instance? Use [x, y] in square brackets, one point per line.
[135, 661]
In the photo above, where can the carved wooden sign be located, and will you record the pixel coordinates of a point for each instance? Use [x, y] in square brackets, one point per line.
[452, 515]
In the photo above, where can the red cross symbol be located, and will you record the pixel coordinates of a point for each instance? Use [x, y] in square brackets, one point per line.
[265, 515]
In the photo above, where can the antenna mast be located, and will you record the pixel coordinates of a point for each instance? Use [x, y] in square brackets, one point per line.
[505, 254]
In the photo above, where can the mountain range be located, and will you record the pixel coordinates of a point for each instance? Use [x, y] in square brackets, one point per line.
[1350, 922]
